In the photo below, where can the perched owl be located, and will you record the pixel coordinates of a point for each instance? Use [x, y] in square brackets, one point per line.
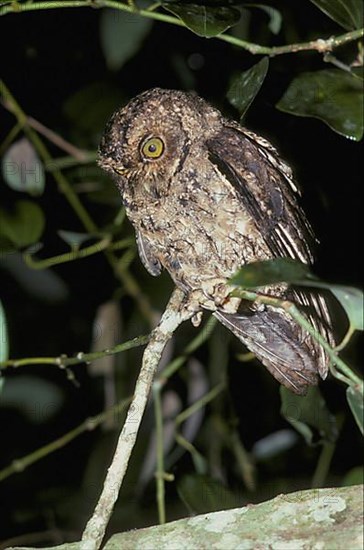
[207, 196]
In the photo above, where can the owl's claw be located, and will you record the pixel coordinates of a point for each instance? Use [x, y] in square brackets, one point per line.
[196, 319]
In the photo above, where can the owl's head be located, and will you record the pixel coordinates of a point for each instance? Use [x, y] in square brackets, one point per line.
[150, 138]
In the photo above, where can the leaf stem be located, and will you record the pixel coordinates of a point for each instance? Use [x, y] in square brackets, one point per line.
[320, 45]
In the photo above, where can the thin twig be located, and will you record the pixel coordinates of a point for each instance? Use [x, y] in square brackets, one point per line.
[173, 316]
[95, 248]
[56, 139]
[89, 424]
[63, 361]
[320, 45]
[160, 474]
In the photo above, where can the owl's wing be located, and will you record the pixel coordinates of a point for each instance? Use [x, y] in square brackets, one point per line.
[267, 191]
[276, 342]
[150, 262]
[266, 188]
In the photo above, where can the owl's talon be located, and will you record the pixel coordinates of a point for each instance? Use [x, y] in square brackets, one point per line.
[196, 319]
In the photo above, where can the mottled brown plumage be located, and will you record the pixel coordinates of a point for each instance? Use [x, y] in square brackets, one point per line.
[207, 196]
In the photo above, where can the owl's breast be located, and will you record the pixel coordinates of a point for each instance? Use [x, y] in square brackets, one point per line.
[199, 231]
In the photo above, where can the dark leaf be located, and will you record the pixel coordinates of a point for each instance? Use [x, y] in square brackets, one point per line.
[121, 35]
[22, 168]
[348, 13]
[268, 272]
[246, 85]
[355, 476]
[24, 225]
[333, 96]
[307, 412]
[202, 494]
[204, 20]
[356, 403]
[87, 109]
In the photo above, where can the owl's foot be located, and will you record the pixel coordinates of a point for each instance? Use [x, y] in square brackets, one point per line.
[214, 294]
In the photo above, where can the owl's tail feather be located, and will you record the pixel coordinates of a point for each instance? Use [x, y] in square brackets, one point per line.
[277, 341]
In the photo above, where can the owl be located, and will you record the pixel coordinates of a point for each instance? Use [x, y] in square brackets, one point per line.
[207, 196]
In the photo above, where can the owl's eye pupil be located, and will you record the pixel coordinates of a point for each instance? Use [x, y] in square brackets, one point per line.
[152, 148]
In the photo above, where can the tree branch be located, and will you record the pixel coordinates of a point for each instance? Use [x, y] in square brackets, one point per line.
[63, 361]
[320, 45]
[173, 316]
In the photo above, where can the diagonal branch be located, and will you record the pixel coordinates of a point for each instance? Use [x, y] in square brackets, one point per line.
[176, 312]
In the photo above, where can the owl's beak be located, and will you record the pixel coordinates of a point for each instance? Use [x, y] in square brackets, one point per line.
[109, 165]
[120, 169]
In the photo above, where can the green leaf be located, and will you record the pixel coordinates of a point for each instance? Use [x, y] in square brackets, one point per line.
[268, 272]
[307, 412]
[202, 494]
[4, 341]
[245, 86]
[356, 403]
[333, 96]
[206, 21]
[24, 225]
[352, 300]
[348, 13]
[22, 168]
[121, 35]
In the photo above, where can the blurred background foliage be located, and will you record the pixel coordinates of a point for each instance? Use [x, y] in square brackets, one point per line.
[71, 281]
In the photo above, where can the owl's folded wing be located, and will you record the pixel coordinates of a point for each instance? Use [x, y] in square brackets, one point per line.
[264, 184]
[276, 341]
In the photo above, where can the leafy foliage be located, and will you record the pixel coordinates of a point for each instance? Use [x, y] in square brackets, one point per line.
[245, 86]
[24, 225]
[204, 20]
[332, 95]
[348, 13]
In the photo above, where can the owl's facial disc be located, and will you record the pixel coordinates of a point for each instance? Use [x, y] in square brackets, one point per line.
[147, 142]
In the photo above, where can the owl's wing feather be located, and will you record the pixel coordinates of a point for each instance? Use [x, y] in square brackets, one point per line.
[265, 186]
[150, 262]
[275, 341]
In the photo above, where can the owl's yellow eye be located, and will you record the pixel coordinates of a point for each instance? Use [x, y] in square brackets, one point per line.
[152, 148]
